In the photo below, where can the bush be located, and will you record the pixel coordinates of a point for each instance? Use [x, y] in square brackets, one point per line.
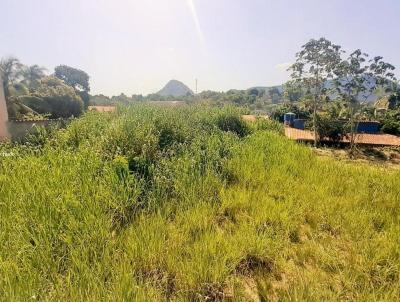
[55, 98]
[328, 128]
[269, 125]
[233, 123]
[391, 126]
[106, 213]
[391, 122]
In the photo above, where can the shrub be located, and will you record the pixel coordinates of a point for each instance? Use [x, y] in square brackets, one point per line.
[106, 213]
[233, 123]
[269, 125]
[391, 123]
[328, 128]
[55, 98]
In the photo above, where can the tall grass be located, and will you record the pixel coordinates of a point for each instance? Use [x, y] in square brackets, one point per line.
[192, 204]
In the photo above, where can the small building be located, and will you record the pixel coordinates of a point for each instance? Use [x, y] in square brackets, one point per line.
[371, 127]
[299, 124]
[288, 119]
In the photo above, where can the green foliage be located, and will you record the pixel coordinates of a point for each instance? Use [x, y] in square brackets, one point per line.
[330, 128]
[160, 204]
[100, 100]
[394, 101]
[85, 97]
[18, 89]
[55, 98]
[232, 123]
[29, 92]
[76, 78]
[293, 92]
[269, 125]
[279, 112]
[275, 95]
[10, 68]
[315, 65]
[41, 135]
[32, 75]
[121, 166]
[358, 78]
[391, 122]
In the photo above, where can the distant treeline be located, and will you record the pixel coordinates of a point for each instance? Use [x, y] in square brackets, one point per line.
[254, 98]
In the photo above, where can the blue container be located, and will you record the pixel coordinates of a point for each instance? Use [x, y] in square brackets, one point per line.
[368, 127]
[299, 124]
[288, 118]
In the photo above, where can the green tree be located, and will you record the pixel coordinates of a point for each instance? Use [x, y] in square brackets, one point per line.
[292, 91]
[335, 109]
[254, 91]
[357, 79]
[391, 122]
[10, 68]
[18, 89]
[314, 66]
[330, 128]
[76, 78]
[394, 101]
[55, 98]
[394, 98]
[100, 100]
[122, 99]
[32, 75]
[275, 95]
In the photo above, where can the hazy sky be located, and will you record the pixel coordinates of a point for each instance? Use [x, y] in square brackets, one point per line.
[136, 46]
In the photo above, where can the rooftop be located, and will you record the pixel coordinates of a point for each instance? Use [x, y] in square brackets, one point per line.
[361, 138]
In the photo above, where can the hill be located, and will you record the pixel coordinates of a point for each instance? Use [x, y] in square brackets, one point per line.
[369, 96]
[192, 204]
[266, 89]
[176, 89]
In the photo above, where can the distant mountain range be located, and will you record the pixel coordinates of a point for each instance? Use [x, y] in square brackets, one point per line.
[368, 97]
[266, 89]
[176, 89]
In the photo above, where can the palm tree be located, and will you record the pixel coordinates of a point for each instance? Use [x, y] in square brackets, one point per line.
[9, 69]
[32, 75]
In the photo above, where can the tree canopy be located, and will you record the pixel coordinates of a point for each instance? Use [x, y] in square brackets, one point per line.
[55, 98]
[29, 92]
[10, 70]
[32, 75]
[314, 66]
[74, 77]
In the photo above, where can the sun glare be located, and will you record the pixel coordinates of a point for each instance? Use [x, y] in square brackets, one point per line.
[196, 21]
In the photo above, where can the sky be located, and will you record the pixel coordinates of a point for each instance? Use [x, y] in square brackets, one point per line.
[137, 46]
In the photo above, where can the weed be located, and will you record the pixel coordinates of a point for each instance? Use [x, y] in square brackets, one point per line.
[158, 204]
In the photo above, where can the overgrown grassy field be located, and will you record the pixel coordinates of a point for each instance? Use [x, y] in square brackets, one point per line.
[192, 204]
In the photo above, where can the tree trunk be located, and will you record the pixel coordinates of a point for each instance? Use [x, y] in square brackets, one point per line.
[352, 131]
[315, 124]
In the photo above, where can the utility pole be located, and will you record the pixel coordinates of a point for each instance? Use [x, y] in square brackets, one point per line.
[196, 85]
